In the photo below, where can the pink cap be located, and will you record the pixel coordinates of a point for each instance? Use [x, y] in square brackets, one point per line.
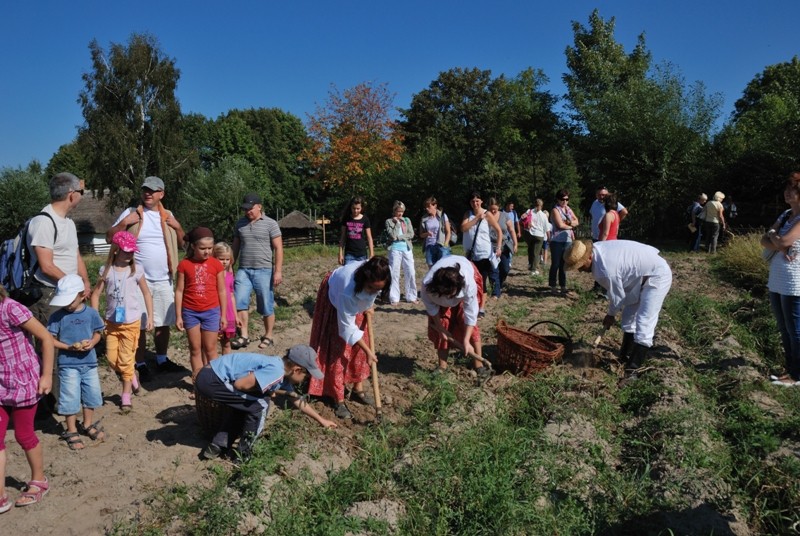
[126, 241]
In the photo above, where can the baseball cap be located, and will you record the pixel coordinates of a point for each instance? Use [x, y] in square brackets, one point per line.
[306, 357]
[250, 200]
[68, 287]
[126, 241]
[153, 183]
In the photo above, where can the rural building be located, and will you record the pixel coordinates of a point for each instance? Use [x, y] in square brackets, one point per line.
[299, 230]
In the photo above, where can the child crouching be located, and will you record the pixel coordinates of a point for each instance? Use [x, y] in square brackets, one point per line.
[244, 382]
[76, 329]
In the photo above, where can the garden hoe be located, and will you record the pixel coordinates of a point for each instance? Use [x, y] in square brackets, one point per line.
[376, 390]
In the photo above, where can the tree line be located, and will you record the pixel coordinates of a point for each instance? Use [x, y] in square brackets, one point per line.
[635, 127]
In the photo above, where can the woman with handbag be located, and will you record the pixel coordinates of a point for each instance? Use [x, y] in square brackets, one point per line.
[783, 239]
[478, 246]
[435, 229]
[564, 222]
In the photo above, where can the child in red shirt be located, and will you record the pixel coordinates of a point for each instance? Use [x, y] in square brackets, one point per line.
[200, 304]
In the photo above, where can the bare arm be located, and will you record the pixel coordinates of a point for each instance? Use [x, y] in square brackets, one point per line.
[98, 289]
[223, 303]
[277, 274]
[179, 283]
[622, 214]
[148, 303]
[35, 328]
[605, 226]
[342, 239]
[369, 243]
[126, 222]
[235, 247]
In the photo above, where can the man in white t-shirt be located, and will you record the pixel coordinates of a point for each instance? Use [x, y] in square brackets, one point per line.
[53, 242]
[598, 210]
[159, 236]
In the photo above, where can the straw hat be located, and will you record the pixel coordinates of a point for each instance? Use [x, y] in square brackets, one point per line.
[577, 254]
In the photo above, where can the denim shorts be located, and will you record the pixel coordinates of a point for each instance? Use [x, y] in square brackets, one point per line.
[208, 320]
[260, 280]
[80, 386]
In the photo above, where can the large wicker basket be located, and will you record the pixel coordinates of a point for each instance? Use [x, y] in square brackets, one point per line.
[210, 413]
[524, 352]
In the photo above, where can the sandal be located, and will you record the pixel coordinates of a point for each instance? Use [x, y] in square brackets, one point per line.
[239, 342]
[34, 492]
[5, 504]
[73, 439]
[266, 342]
[94, 430]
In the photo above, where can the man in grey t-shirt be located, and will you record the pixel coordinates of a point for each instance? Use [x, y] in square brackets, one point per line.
[53, 242]
[255, 238]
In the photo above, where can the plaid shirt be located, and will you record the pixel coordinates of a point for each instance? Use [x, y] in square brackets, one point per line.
[19, 365]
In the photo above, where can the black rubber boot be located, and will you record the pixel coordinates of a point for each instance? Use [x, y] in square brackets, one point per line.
[626, 347]
[638, 355]
[246, 443]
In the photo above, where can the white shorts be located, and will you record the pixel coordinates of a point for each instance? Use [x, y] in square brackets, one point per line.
[163, 304]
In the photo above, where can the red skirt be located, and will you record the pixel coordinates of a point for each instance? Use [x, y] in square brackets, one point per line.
[340, 362]
[452, 319]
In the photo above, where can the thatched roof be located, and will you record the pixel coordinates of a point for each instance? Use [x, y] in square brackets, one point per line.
[93, 215]
[297, 220]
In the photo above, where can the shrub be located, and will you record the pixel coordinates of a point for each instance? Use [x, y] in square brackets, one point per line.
[741, 264]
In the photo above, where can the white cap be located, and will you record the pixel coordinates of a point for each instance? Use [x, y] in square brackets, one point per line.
[68, 287]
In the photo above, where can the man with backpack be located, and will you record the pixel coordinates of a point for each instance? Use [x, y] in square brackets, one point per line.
[158, 236]
[52, 240]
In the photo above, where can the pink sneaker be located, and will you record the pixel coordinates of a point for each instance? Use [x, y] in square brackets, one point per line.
[135, 383]
[126, 405]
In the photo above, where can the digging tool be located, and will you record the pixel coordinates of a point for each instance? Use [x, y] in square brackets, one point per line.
[376, 390]
[460, 346]
[599, 337]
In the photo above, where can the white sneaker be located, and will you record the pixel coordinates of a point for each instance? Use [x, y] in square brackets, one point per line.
[535, 272]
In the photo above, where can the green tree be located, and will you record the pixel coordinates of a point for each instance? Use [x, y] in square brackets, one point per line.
[212, 198]
[132, 119]
[761, 144]
[16, 208]
[69, 157]
[640, 130]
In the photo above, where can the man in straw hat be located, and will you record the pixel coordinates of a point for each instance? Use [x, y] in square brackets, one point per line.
[637, 279]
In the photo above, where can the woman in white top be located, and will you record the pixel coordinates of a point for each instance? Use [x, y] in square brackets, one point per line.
[713, 219]
[399, 228]
[784, 279]
[536, 234]
[453, 297]
[478, 246]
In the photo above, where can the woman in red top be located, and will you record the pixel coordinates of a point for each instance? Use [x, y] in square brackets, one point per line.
[200, 304]
[609, 225]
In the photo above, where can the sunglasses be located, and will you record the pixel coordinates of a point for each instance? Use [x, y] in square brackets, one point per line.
[564, 199]
[79, 191]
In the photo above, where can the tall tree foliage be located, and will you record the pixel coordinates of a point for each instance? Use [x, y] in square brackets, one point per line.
[353, 139]
[16, 208]
[761, 144]
[640, 130]
[132, 118]
[500, 132]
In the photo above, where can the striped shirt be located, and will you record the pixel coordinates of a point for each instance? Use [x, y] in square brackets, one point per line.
[255, 241]
[19, 365]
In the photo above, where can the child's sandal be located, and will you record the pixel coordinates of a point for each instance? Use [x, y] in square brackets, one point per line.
[33, 493]
[73, 439]
[266, 342]
[94, 431]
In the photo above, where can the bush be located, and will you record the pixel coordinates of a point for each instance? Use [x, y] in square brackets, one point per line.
[741, 264]
[22, 194]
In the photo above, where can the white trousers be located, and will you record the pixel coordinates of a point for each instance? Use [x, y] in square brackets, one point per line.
[640, 318]
[406, 260]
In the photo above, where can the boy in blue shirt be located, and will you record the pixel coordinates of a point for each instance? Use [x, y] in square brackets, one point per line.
[76, 329]
[244, 383]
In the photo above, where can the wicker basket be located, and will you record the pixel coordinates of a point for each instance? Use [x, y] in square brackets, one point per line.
[210, 413]
[523, 352]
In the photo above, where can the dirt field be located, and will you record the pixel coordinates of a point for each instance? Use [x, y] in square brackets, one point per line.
[159, 442]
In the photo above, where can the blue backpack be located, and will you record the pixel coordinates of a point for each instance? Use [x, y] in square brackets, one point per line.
[16, 270]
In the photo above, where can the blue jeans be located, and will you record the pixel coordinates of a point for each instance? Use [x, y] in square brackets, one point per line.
[348, 258]
[260, 280]
[787, 313]
[557, 263]
[434, 253]
[79, 386]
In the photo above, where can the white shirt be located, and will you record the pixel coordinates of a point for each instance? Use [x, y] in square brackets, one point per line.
[343, 297]
[480, 237]
[598, 210]
[620, 266]
[41, 232]
[152, 254]
[539, 223]
[468, 295]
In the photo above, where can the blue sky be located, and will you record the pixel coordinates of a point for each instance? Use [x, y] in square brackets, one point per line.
[243, 54]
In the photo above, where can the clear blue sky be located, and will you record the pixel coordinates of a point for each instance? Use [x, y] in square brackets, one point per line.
[239, 54]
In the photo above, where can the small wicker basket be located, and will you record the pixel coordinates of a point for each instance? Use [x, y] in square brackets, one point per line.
[210, 413]
[523, 352]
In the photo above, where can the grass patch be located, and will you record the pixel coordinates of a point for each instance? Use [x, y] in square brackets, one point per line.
[741, 264]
